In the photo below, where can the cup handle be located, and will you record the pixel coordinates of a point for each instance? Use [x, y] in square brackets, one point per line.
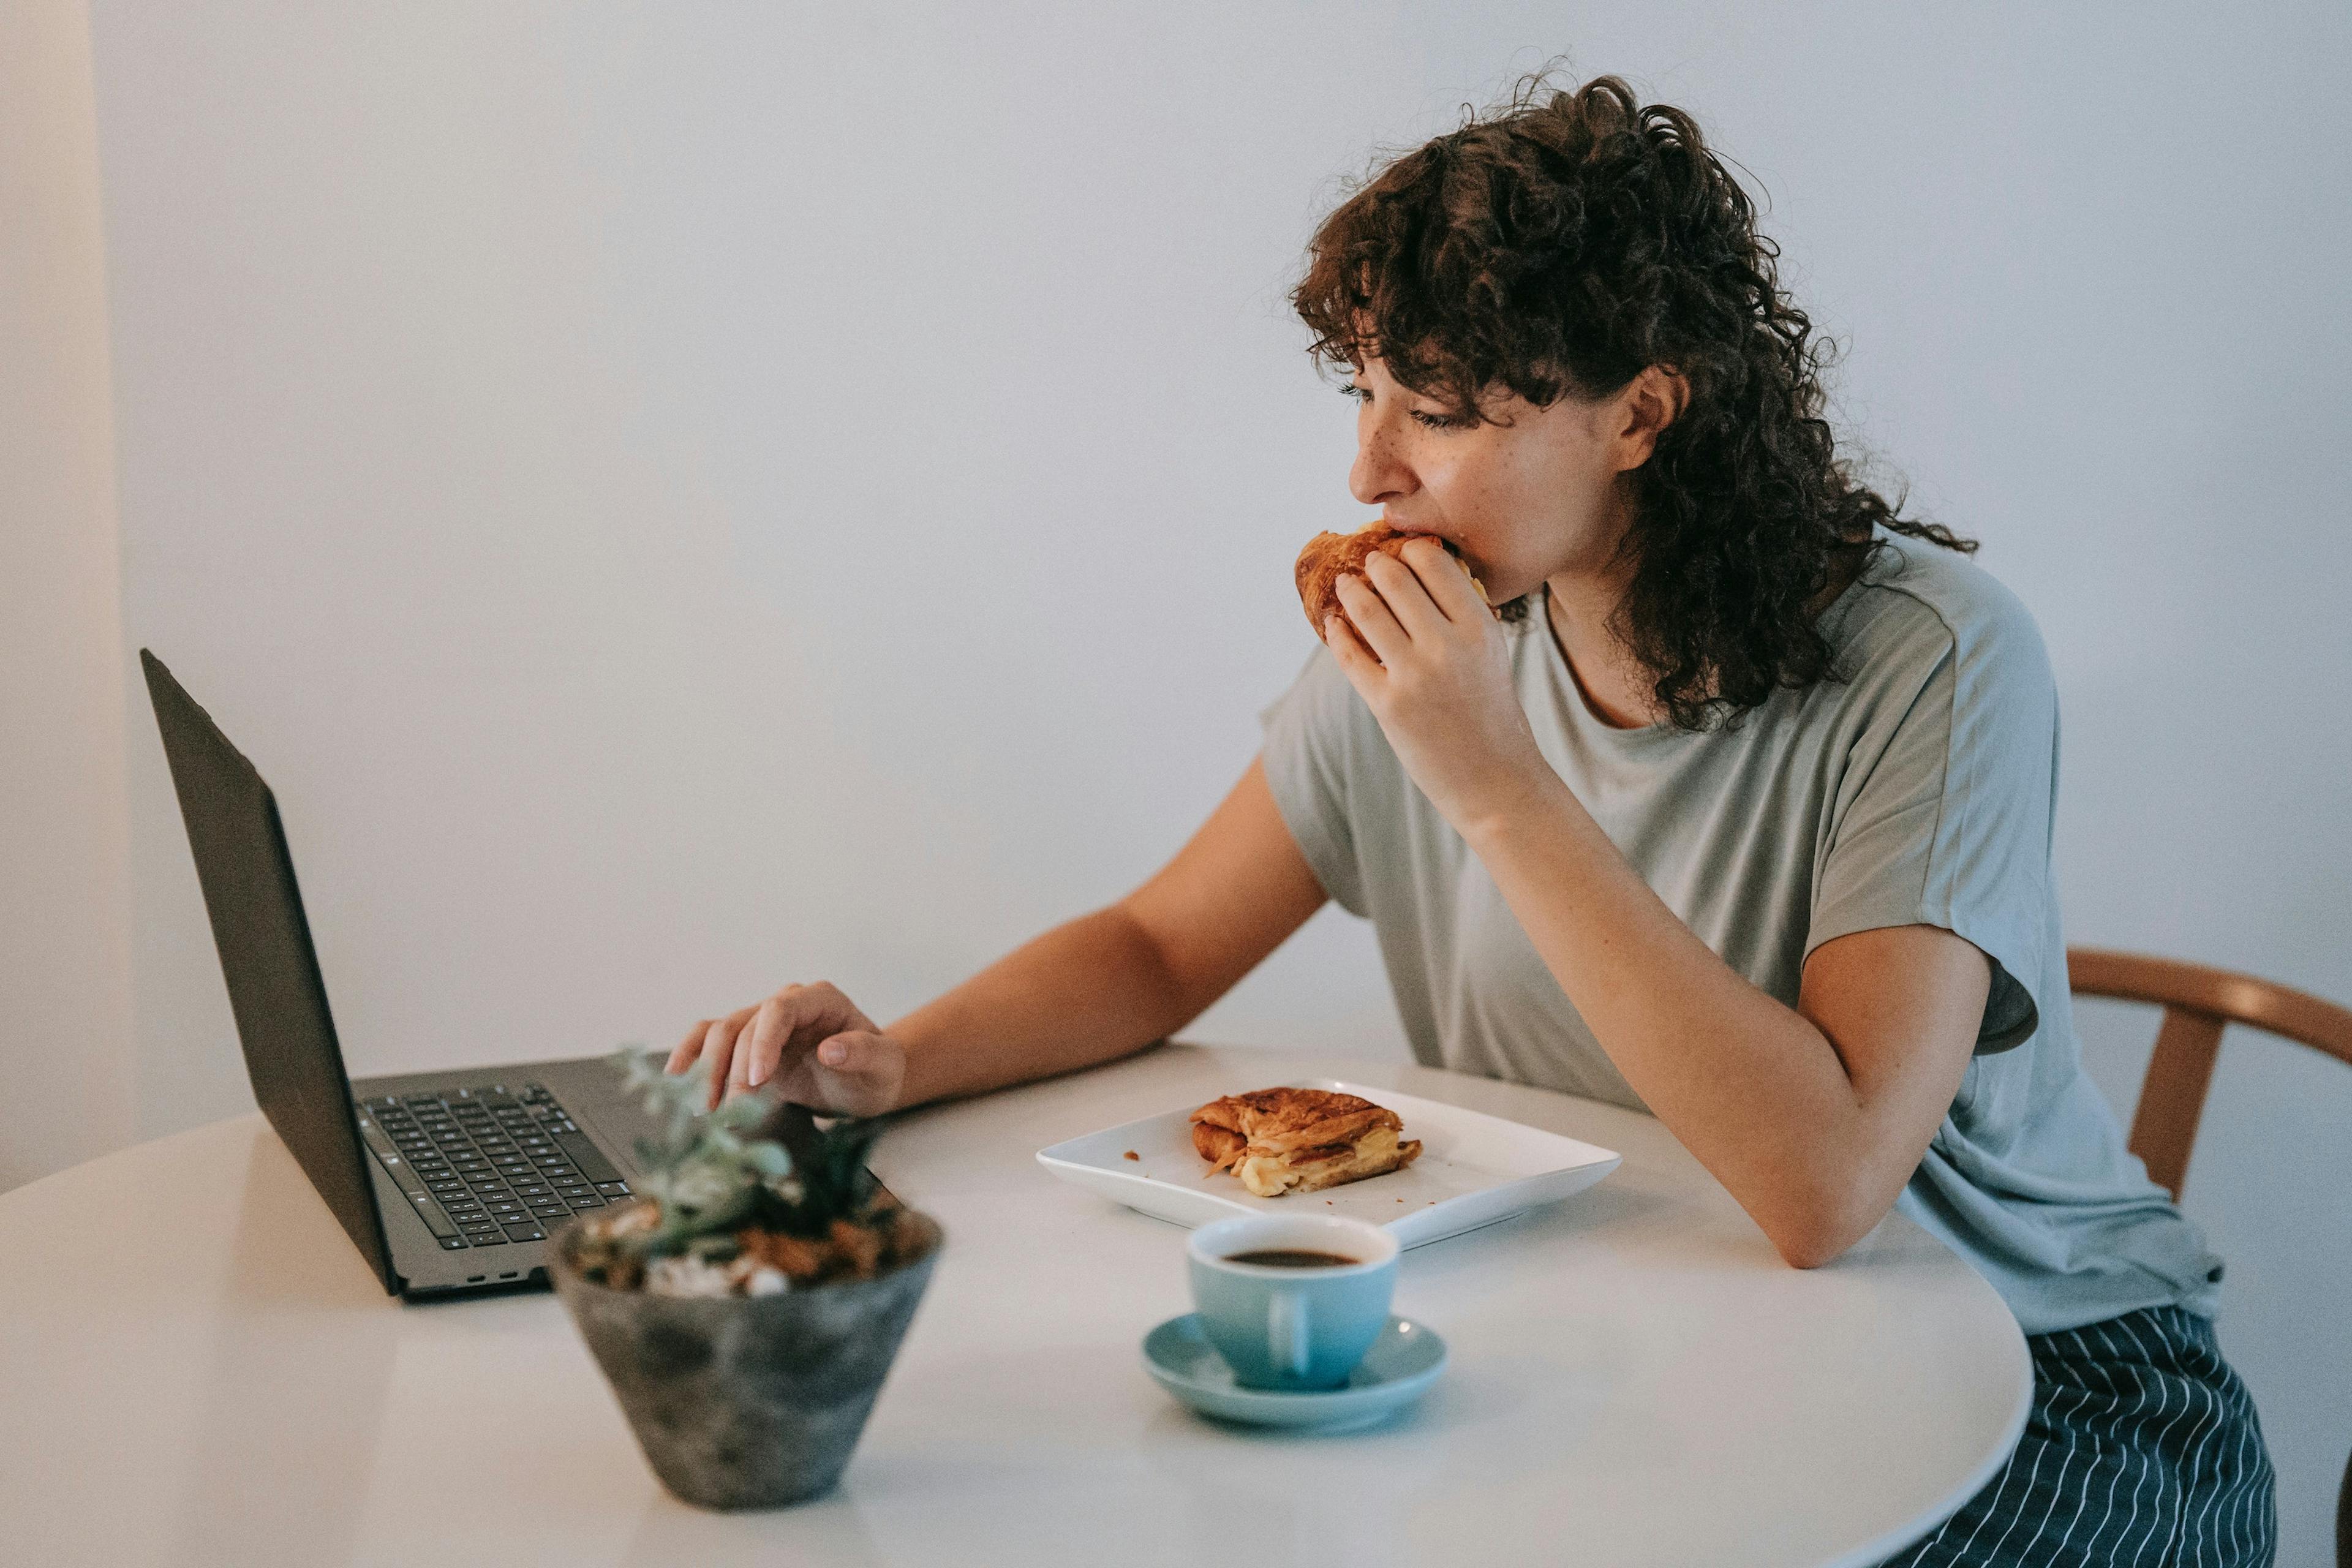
[1286, 1332]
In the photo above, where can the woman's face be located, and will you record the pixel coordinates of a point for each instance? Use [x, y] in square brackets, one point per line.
[1541, 496]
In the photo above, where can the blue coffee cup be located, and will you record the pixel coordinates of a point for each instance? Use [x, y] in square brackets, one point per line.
[1287, 1327]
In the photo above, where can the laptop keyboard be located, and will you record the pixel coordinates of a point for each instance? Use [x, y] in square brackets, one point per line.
[484, 1167]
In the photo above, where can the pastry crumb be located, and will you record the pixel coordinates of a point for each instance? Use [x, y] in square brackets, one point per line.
[1131, 1154]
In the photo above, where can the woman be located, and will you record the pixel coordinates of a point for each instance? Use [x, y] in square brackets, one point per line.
[1740, 811]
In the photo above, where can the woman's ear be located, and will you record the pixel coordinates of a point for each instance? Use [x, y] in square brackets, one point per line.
[1653, 400]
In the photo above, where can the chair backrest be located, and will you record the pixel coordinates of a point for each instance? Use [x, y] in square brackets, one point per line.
[2197, 1002]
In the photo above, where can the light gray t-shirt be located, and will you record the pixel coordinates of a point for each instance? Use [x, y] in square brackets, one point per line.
[1918, 790]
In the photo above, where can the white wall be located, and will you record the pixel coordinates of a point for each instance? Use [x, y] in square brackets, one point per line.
[65, 862]
[680, 500]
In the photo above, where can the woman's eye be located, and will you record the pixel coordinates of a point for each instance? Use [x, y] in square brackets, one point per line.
[1428, 421]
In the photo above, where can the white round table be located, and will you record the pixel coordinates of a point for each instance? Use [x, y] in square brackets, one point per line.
[196, 1366]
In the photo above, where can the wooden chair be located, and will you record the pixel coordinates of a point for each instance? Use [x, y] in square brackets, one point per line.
[2197, 1003]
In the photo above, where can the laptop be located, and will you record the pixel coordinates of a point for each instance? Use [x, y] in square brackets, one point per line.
[449, 1182]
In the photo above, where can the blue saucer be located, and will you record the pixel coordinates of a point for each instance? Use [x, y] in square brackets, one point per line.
[1406, 1359]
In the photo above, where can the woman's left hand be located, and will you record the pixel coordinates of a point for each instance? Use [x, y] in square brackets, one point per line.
[1428, 659]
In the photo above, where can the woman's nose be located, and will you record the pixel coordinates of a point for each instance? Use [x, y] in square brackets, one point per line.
[1378, 474]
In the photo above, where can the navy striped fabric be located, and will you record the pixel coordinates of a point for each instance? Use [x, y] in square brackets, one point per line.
[2142, 1447]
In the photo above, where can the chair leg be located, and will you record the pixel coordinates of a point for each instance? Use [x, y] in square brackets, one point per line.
[2344, 1518]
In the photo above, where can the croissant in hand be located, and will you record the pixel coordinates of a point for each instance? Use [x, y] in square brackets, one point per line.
[1329, 556]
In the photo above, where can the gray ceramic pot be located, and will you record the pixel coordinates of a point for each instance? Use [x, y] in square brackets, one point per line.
[747, 1401]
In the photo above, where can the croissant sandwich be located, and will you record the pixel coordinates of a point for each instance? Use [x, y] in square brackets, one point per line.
[1329, 556]
[1279, 1140]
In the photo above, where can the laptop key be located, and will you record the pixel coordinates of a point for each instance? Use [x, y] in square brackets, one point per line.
[613, 1189]
[404, 1177]
[586, 1155]
[518, 1233]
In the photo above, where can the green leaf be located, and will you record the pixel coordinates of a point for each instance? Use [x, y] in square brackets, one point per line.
[712, 1176]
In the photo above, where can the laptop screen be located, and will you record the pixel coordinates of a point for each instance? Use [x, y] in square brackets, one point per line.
[274, 985]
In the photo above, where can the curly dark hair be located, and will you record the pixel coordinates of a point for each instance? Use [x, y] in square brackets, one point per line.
[1558, 247]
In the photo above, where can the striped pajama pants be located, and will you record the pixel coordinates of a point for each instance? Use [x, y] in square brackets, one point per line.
[2142, 1447]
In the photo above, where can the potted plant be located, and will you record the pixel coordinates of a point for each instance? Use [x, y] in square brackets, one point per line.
[747, 1306]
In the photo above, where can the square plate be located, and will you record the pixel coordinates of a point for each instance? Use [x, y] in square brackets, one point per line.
[1473, 1170]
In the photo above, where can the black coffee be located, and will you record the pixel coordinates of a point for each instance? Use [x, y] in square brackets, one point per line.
[1293, 1258]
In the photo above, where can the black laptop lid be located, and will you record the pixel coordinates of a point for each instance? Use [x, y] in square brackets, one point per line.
[274, 985]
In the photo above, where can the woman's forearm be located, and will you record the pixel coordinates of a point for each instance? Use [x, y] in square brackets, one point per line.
[1750, 1085]
[1086, 992]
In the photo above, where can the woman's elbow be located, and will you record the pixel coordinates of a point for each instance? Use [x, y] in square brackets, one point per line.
[1810, 1247]
[1823, 1231]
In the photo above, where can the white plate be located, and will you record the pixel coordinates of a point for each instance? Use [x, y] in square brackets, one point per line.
[1473, 1170]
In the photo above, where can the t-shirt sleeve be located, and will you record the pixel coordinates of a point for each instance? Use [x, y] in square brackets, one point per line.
[1311, 747]
[1944, 815]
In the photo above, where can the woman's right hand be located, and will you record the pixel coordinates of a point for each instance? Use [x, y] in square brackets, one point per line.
[811, 1041]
